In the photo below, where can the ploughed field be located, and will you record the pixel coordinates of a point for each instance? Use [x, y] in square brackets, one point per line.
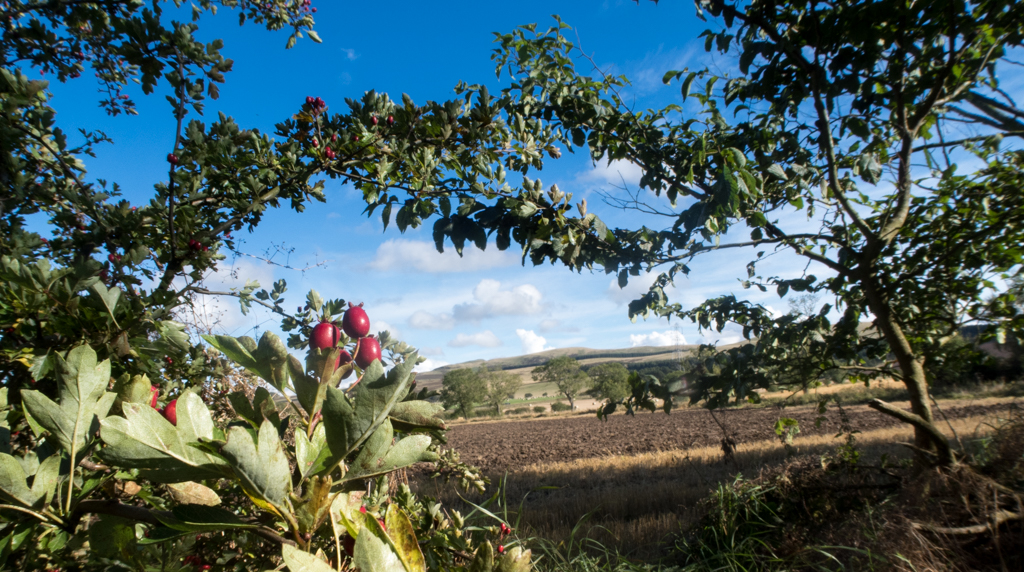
[506, 446]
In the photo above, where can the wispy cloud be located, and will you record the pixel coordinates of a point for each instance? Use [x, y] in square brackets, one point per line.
[350, 53]
[485, 339]
[427, 321]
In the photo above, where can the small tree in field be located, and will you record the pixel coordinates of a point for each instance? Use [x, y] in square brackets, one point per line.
[462, 389]
[501, 386]
[610, 381]
[565, 373]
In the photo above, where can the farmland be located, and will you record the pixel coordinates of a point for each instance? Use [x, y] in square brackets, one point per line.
[633, 483]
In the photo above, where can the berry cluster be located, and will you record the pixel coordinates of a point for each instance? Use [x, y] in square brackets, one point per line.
[356, 325]
[316, 105]
[197, 246]
[196, 561]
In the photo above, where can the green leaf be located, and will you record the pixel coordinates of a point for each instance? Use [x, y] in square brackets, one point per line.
[261, 466]
[515, 559]
[299, 561]
[777, 171]
[373, 550]
[343, 510]
[144, 440]
[112, 537]
[200, 518]
[349, 425]
[109, 297]
[84, 401]
[419, 414]
[13, 486]
[311, 455]
[404, 538]
[483, 561]
[314, 36]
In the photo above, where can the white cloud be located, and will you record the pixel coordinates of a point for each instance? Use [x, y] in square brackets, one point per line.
[402, 255]
[485, 338]
[222, 313]
[350, 53]
[616, 173]
[548, 325]
[532, 343]
[381, 325]
[492, 301]
[427, 321]
[432, 351]
[429, 365]
[666, 338]
[635, 288]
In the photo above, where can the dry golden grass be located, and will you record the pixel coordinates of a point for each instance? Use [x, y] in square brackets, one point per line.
[634, 502]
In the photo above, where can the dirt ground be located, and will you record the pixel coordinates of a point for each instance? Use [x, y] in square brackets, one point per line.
[506, 446]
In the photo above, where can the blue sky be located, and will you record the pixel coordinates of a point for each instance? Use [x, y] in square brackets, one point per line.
[486, 304]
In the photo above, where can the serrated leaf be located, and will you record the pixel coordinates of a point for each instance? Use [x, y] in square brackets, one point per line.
[144, 440]
[84, 401]
[776, 170]
[108, 297]
[261, 466]
[311, 455]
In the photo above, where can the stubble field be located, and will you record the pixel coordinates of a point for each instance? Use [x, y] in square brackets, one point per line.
[632, 483]
[501, 446]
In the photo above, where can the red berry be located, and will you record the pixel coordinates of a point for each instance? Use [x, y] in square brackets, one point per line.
[155, 393]
[169, 360]
[309, 99]
[501, 548]
[316, 143]
[344, 358]
[172, 158]
[313, 10]
[362, 509]
[391, 121]
[206, 567]
[373, 120]
[325, 335]
[355, 138]
[355, 322]
[170, 412]
[368, 352]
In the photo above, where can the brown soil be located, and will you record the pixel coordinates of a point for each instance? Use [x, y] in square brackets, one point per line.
[500, 447]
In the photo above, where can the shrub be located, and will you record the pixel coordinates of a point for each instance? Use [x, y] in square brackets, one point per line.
[539, 409]
[559, 406]
[527, 396]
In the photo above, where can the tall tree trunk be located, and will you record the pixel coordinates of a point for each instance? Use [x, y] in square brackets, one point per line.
[926, 434]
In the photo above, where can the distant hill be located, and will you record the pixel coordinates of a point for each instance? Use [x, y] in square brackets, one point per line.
[523, 365]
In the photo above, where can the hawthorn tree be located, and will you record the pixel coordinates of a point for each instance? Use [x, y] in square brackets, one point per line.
[462, 389]
[565, 373]
[92, 288]
[872, 139]
[501, 386]
[610, 381]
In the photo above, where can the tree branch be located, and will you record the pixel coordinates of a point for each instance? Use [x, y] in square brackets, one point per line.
[140, 514]
[997, 518]
[941, 443]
